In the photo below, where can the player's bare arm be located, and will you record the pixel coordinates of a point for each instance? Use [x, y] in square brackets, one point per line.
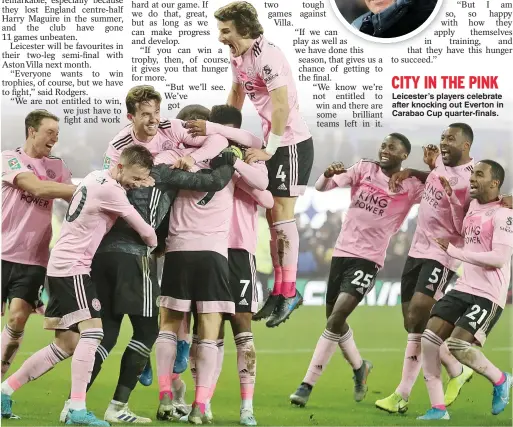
[279, 117]
[29, 182]
[431, 152]
[236, 96]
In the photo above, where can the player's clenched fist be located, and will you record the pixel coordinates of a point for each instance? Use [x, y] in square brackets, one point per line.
[431, 152]
[184, 163]
[197, 127]
[336, 168]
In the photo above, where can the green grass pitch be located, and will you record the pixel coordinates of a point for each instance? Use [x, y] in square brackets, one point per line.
[283, 356]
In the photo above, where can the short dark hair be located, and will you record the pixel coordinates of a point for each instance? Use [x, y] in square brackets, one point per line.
[34, 119]
[403, 140]
[497, 171]
[244, 17]
[136, 155]
[226, 115]
[466, 130]
[140, 95]
[193, 112]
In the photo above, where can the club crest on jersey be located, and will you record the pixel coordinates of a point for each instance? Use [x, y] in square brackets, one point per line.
[96, 304]
[490, 212]
[14, 164]
[453, 181]
[251, 72]
[50, 174]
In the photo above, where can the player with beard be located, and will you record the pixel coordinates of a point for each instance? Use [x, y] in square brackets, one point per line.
[374, 216]
[261, 71]
[73, 309]
[31, 179]
[429, 269]
[467, 314]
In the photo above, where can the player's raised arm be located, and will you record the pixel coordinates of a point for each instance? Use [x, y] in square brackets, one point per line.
[15, 173]
[240, 136]
[263, 198]
[255, 175]
[336, 175]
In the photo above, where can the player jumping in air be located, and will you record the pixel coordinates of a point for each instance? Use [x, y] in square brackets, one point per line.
[261, 71]
[467, 314]
[428, 268]
[73, 310]
[374, 216]
[31, 179]
[226, 121]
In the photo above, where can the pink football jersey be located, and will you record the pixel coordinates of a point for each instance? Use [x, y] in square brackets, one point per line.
[260, 70]
[375, 213]
[171, 134]
[484, 226]
[98, 201]
[27, 219]
[435, 219]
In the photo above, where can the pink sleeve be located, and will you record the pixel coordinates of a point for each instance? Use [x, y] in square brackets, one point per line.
[496, 258]
[254, 174]
[12, 166]
[503, 227]
[114, 201]
[239, 136]
[347, 179]
[263, 198]
[180, 135]
[66, 175]
[144, 230]
[213, 145]
[111, 157]
[272, 68]
[167, 157]
[416, 191]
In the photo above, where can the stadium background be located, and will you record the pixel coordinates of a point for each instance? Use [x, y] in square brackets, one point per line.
[319, 215]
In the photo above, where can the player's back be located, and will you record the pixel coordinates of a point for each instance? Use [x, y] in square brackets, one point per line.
[435, 218]
[483, 226]
[201, 221]
[87, 220]
[243, 229]
[26, 219]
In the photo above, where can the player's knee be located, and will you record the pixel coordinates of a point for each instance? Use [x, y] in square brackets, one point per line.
[241, 322]
[416, 319]
[146, 334]
[336, 322]
[209, 325]
[459, 349]
[283, 209]
[18, 319]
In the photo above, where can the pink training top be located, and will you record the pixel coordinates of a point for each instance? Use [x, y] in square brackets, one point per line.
[26, 219]
[97, 203]
[171, 134]
[435, 219]
[243, 232]
[485, 226]
[260, 70]
[375, 213]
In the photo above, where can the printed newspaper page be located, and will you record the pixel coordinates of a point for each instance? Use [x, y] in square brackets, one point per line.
[384, 129]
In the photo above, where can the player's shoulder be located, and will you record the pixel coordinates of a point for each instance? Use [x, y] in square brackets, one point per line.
[369, 165]
[168, 123]
[264, 48]
[123, 138]
[502, 213]
[16, 152]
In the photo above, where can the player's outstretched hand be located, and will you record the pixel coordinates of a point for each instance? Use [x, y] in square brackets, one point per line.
[445, 184]
[507, 201]
[443, 243]
[397, 178]
[197, 127]
[336, 168]
[431, 152]
[184, 163]
[255, 154]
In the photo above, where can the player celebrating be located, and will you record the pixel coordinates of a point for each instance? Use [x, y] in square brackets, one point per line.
[73, 310]
[261, 71]
[467, 314]
[374, 216]
[31, 179]
[126, 278]
[428, 269]
[226, 121]
[148, 130]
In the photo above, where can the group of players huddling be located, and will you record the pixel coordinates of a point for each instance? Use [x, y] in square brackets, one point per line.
[188, 189]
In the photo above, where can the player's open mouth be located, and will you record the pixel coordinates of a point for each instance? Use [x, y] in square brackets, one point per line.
[385, 158]
[445, 153]
[49, 146]
[232, 48]
[152, 127]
